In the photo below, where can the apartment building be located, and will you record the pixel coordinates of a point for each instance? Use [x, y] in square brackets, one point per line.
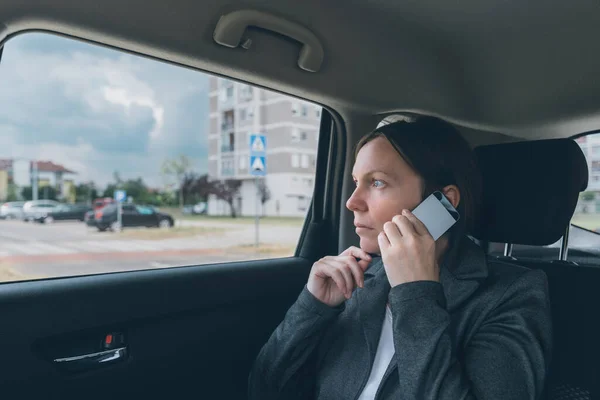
[291, 128]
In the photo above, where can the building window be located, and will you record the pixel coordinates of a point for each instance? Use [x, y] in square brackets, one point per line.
[227, 168]
[299, 109]
[245, 93]
[303, 203]
[299, 136]
[227, 121]
[304, 161]
[226, 92]
[246, 113]
[295, 161]
[227, 142]
[318, 112]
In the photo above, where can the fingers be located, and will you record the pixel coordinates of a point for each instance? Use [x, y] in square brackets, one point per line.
[357, 271]
[418, 225]
[357, 252]
[392, 231]
[345, 272]
[348, 279]
[383, 241]
[405, 226]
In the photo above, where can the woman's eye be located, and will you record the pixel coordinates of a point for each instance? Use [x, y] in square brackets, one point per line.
[377, 183]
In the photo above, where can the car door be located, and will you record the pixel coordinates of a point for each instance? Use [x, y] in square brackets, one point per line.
[130, 215]
[148, 216]
[123, 315]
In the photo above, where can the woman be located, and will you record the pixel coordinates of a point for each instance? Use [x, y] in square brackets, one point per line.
[404, 316]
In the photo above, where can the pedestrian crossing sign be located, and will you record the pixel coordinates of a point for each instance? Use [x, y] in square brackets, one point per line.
[258, 144]
[258, 165]
[258, 155]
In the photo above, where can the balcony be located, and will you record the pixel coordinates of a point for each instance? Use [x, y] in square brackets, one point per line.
[226, 126]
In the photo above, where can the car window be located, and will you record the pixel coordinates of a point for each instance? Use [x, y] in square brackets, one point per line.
[91, 125]
[144, 210]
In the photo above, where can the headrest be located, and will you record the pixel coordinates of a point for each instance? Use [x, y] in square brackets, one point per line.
[530, 190]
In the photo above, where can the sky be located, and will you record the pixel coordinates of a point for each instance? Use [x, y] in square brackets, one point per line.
[97, 110]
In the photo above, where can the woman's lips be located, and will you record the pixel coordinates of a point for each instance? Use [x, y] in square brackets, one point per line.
[362, 228]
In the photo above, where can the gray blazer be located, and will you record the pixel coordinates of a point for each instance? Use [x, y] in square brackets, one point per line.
[483, 332]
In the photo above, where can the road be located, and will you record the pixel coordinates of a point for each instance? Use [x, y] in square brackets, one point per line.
[32, 250]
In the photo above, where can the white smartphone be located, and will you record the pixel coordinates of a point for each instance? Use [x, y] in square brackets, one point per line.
[437, 214]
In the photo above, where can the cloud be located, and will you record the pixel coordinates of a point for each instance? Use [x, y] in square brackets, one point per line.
[96, 110]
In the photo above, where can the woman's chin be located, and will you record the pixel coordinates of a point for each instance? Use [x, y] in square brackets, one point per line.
[369, 245]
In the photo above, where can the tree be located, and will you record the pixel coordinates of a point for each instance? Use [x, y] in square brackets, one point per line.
[227, 190]
[587, 196]
[12, 194]
[177, 168]
[196, 187]
[86, 192]
[110, 190]
[264, 193]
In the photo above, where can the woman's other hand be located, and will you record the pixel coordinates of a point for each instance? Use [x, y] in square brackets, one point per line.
[332, 279]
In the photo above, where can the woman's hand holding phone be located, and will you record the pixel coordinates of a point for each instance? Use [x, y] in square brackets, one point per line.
[332, 279]
[408, 250]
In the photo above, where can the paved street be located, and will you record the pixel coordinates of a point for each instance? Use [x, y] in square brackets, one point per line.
[31, 250]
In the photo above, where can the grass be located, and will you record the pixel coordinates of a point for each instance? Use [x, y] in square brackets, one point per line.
[171, 233]
[8, 274]
[286, 221]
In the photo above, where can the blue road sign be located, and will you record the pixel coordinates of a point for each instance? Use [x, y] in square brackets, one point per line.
[258, 165]
[120, 195]
[258, 155]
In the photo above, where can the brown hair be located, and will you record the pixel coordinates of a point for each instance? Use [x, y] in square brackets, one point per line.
[437, 152]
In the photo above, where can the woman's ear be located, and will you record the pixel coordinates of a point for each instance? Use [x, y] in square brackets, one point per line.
[453, 194]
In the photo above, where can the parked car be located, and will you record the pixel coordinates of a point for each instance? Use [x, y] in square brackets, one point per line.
[12, 210]
[103, 201]
[64, 212]
[36, 208]
[89, 218]
[133, 215]
[199, 208]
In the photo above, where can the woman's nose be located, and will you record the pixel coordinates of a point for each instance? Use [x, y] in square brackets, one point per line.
[355, 203]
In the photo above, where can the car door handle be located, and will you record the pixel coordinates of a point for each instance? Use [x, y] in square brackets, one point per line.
[92, 360]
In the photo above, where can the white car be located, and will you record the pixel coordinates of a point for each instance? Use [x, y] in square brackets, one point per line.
[36, 208]
[12, 210]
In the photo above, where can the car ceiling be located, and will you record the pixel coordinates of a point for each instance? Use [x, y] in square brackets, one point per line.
[513, 69]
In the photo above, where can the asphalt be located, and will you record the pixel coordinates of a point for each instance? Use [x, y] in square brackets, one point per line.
[37, 251]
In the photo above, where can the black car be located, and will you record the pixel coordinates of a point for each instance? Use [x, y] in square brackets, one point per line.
[64, 212]
[89, 218]
[132, 216]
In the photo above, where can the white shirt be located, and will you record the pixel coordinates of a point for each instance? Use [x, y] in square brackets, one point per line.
[385, 352]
